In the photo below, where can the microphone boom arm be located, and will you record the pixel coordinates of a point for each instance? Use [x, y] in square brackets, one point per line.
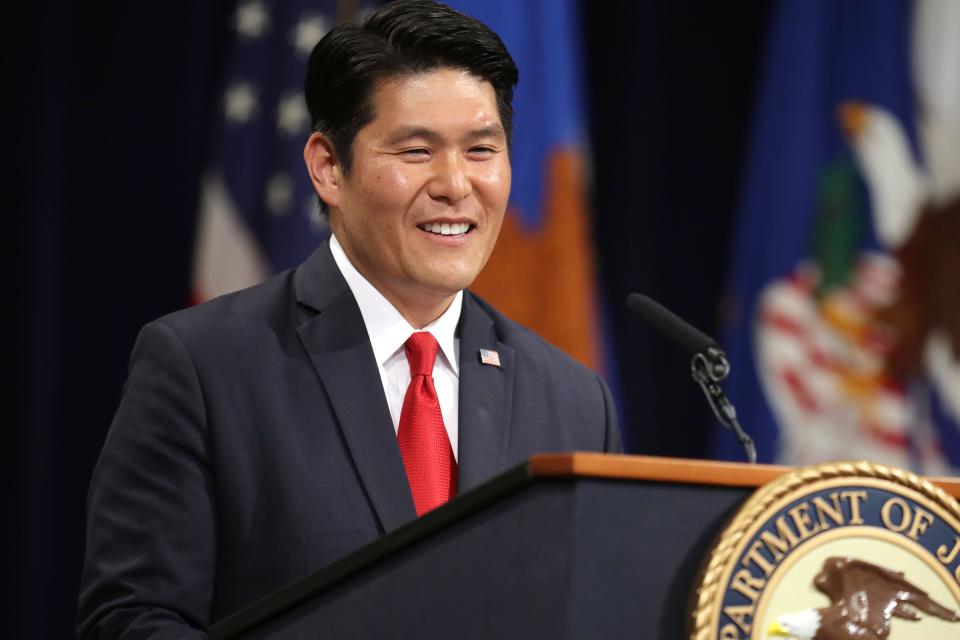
[708, 369]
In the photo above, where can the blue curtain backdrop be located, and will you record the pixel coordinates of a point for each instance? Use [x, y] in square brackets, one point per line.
[112, 112]
[111, 118]
[670, 87]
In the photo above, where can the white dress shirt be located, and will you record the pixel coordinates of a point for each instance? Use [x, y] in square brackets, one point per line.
[388, 331]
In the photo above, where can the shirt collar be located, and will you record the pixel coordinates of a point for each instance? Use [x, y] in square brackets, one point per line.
[387, 328]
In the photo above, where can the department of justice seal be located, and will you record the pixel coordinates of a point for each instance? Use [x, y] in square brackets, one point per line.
[839, 551]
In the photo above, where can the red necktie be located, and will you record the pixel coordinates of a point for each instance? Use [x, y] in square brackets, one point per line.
[424, 445]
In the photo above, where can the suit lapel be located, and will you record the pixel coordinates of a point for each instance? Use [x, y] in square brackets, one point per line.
[486, 398]
[337, 344]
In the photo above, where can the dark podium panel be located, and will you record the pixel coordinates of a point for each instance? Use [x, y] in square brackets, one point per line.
[565, 546]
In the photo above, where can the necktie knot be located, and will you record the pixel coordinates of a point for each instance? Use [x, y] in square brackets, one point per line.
[421, 348]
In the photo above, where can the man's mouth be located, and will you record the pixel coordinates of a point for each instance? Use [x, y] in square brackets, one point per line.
[446, 229]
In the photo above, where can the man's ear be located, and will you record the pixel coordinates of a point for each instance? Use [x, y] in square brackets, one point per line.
[324, 168]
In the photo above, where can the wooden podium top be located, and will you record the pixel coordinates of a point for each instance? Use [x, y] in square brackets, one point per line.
[728, 474]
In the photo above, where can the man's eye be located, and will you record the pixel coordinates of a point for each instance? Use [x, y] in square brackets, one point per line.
[415, 153]
[481, 152]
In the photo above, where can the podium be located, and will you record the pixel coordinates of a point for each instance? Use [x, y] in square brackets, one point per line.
[564, 546]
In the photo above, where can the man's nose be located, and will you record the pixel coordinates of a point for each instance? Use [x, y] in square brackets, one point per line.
[450, 182]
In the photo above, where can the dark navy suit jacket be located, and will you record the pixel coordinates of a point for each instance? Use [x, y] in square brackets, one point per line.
[253, 445]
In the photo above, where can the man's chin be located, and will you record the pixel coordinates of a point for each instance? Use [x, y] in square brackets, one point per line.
[447, 288]
[447, 279]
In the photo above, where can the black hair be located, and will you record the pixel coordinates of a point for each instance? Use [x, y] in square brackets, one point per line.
[404, 37]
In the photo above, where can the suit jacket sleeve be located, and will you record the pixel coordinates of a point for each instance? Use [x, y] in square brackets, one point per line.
[149, 567]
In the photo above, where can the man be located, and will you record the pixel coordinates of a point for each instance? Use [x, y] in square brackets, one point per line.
[268, 432]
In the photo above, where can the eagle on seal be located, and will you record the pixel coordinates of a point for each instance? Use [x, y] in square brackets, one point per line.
[864, 598]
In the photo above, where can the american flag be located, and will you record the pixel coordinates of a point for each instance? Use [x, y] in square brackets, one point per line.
[258, 213]
[488, 356]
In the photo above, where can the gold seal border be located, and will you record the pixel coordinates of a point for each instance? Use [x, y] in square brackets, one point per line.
[707, 607]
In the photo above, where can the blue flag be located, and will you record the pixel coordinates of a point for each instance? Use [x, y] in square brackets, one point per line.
[542, 271]
[848, 190]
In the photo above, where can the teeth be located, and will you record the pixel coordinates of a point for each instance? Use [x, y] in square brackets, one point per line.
[446, 229]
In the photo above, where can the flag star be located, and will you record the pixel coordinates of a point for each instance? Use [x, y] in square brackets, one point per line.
[292, 116]
[279, 194]
[308, 32]
[251, 19]
[241, 102]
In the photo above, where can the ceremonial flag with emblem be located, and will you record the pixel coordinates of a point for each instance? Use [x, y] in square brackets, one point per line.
[844, 309]
[542, 272]
[258, 211]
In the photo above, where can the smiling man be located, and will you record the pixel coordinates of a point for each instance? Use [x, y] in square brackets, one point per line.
[266, 433]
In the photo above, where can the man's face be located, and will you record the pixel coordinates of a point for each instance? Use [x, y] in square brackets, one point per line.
[421, 209]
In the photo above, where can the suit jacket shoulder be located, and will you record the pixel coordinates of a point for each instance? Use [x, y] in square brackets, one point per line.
[539, 400]
[541, 354]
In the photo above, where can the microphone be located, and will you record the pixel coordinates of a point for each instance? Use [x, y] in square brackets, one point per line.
[669, 324]
[693, 341]
[708, 365]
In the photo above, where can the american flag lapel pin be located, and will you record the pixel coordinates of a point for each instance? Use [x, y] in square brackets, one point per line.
[490, 357]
